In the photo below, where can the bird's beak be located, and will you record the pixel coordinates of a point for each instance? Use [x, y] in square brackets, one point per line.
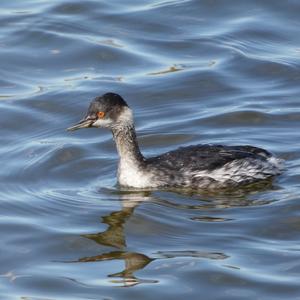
[85, 123]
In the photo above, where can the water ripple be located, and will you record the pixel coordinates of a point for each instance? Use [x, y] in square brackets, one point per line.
[194, 72]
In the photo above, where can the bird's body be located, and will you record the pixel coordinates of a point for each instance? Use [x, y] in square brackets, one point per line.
[211, 166]
[198, 166]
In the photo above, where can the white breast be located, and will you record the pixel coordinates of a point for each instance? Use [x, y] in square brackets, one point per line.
[130, 175]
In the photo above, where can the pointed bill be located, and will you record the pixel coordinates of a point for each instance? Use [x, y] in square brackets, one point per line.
[85, 123]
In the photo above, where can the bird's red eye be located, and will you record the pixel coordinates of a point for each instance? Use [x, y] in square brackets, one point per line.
[101, 114]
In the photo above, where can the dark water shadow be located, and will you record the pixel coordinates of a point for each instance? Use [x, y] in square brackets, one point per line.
[242, 196]
[115, 236]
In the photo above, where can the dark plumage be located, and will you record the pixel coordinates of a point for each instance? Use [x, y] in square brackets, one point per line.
[207, 157]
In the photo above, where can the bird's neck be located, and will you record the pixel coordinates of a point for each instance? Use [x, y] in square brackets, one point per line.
[127, 145]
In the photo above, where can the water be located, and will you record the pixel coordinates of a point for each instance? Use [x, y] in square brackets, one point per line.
[194, 72]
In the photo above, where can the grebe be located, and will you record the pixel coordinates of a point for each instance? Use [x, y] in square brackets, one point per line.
[197, 167]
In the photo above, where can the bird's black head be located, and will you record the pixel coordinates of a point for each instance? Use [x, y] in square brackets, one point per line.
[108, 110]
[108, 103]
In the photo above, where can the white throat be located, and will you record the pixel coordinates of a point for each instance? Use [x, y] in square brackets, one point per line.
[130, 171]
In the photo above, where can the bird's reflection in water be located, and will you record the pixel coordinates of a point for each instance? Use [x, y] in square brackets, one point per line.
[114, 236]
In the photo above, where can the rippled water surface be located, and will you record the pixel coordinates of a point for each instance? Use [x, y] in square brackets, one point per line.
[193, 72]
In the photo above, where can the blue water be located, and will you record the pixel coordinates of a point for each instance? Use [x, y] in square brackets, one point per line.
[193, 72]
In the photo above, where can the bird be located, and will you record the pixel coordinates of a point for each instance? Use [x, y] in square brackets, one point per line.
[203, 166]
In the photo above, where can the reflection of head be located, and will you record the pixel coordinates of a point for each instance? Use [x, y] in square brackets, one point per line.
[114, 236]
